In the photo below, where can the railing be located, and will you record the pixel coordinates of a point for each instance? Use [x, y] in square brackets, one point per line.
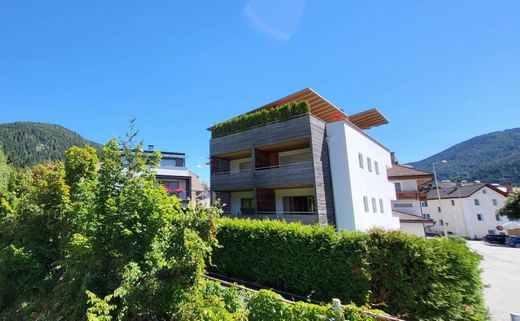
[289, 298]
[283, 165]
[285, 213]
[411, 195]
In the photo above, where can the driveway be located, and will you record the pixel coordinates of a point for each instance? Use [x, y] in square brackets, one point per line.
[501, 273]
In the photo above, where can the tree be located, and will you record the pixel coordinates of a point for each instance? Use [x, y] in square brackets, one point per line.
[511, 207]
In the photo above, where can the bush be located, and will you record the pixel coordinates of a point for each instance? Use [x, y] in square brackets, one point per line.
[405, 275]
[264, 305]
[258, 118]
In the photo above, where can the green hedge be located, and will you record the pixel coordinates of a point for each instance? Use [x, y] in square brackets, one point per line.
[261, 117]
[264, 305]
[404, 275]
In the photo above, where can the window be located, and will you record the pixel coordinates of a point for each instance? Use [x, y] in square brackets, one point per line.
[376, 167]
[438, 209]
[424, 204]
[361, 164]
[374, 205]
[381, 208]
[171, 185]
[495, 202]
[246, 206]
[427, 216]
[477, 201]
[365, 202]
[172, 162]
[441, 222]
[480, 217]
[398, 187]
[498, 218]
[369, 164]
[303, 156]
[484, 191]
[244, 165]
[298, 204]
[452, 202]
[492, 232]
[403, 205]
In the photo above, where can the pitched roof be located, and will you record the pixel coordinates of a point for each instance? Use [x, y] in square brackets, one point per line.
[410, 218]
[406, 171]
[459, 191]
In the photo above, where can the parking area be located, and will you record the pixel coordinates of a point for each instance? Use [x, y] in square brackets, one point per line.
[501, 273]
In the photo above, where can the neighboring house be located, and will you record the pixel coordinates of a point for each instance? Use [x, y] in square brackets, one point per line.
[407, 206]
[317, 168]
[470, 209]
[178, 179]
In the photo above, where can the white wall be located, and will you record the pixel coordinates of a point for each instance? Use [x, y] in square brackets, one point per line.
[413, 228]
[350, 182]
[235, 200]
[462, 217]
[281, 193]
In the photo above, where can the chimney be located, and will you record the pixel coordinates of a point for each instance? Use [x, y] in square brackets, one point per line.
[151, 147]
[509, 187]
[393, 159]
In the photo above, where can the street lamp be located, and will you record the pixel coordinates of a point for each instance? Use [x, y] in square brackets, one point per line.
[445, 226]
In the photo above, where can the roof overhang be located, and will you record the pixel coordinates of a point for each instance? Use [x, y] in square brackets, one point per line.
[326, 111]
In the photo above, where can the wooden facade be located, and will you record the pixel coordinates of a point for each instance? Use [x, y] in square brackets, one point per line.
[266, 175]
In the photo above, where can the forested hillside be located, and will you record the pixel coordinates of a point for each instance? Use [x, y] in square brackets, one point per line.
[27, 143]
[489, 158]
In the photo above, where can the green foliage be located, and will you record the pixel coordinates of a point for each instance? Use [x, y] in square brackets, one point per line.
[416, 278]
[511, 207]
[27, 143]
[489, 158]
[259, 118]
[79, 244]
[4, 172]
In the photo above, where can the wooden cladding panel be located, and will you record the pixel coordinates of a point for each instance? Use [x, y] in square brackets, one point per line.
[265, 200]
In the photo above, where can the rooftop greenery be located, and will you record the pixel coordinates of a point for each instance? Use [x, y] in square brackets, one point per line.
[259, 118]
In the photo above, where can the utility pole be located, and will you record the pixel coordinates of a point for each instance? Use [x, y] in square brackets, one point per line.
[445, 225]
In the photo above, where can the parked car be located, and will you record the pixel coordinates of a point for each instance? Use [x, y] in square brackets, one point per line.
[513, 241]
[495, 238]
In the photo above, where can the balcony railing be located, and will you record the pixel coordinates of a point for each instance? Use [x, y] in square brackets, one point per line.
[411, 195]
[234, 180]
[285, 175]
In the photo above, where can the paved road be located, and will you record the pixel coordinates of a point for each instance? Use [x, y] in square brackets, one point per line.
[501, 272]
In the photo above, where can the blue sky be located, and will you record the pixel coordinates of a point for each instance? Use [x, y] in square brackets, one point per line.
[441, 71]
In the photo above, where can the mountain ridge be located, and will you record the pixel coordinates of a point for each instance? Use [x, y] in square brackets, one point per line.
[29, 143]
[491, 157]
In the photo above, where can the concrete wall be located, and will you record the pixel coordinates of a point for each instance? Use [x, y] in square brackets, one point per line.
[351, 183]
[235, 201]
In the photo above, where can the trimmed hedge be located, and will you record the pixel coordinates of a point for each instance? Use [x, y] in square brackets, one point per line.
[412, 277]
[261, 117]
[266, 305]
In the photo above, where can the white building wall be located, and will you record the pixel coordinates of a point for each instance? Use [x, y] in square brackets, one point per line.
[351, 183]
[461, 215]
[413, 228]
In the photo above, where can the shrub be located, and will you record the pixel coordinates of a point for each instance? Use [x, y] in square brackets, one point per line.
[405, 275]
[258, 118]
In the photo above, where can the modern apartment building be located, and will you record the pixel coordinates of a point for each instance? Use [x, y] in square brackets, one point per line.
[407, 206]
[316, 167]
[470, 209]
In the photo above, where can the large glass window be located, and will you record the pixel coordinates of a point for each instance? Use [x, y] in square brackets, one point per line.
[303, 156]
[172, 162]
[298, 204]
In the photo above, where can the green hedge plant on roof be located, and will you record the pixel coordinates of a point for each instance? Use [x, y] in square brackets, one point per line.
[259, 118]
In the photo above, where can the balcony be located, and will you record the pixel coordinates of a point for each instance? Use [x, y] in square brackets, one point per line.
[287, 175]
[232, 181]
[411, 195]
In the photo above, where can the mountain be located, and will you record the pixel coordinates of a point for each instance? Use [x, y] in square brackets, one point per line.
[27, 143]
[489, 158]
